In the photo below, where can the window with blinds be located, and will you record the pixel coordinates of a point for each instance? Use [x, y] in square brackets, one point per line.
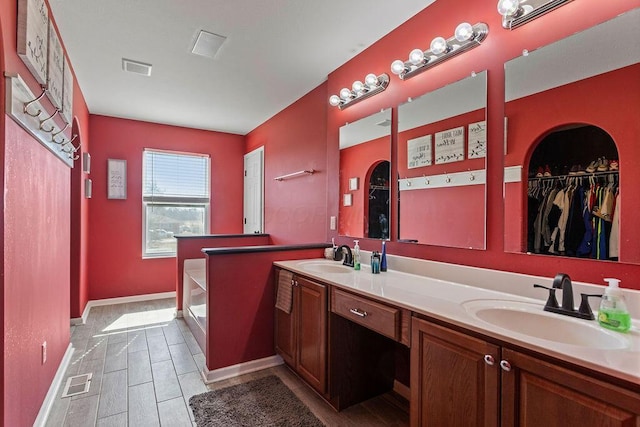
[175, 199]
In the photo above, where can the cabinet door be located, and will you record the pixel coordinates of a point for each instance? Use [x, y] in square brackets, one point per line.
[451, 384]
[312, 332]
[285, 332]
[538, 393]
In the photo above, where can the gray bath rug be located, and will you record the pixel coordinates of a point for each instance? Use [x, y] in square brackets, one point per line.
[262, 402]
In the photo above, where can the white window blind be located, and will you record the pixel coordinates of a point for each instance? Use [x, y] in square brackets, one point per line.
[176, 177]
[175, 199]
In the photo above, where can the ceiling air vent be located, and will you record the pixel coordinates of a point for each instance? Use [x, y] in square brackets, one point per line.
[136, 67]
[207, 44]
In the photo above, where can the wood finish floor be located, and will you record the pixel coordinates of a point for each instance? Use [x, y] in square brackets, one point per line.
[146, 365]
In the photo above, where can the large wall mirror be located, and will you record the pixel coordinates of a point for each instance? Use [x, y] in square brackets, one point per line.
[441, 165]
[573, 129]
[365, 153]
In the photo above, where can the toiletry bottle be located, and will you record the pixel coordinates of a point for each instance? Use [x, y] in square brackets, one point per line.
[613, 312]
[383, 257]
[356, 255]
[375, 262]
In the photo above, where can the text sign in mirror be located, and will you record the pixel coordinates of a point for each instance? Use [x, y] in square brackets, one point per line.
[365, 152]
[441, 164]
[572, 128]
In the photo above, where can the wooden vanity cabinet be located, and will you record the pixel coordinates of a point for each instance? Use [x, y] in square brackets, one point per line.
[461, 380]
[301, 336]
[451, 384]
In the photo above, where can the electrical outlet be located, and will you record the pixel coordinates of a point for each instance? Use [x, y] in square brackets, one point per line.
[44, 352]
[332, 223]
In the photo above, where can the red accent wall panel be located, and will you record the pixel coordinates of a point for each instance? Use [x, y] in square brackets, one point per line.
[116, 267]
[295, 139]
[191, 247]
[36, 272]
[241, 301]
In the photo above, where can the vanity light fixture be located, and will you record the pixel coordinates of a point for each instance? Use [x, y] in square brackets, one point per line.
[466, 36]
[372, 85]
[519, 12]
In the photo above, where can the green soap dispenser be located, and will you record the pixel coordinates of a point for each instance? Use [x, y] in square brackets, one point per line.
[356, 255]
[613, 312]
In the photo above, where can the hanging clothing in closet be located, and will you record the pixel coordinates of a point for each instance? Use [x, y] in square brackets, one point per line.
[573, 216]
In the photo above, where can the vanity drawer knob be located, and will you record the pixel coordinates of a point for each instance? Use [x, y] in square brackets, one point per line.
[489, 360]
[505, 365]
[358, 312]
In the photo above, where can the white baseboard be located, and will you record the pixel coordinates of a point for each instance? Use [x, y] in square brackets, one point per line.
[242, 368]
[50, 398]
[120, 300]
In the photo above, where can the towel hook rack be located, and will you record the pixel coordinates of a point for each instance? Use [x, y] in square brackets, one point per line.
[47, 119]
[27, 104]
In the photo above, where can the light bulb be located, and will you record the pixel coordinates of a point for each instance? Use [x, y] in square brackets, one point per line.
[357, 86]
[371, 80]
[416, 57]
[508, 7]
[438, 45]
[334, 100]
[464, 32]
[397, 67]
[345, 94]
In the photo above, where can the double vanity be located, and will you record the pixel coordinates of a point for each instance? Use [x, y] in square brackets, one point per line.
[477, 350]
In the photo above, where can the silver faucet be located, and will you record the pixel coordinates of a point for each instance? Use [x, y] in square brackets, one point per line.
[348, 255]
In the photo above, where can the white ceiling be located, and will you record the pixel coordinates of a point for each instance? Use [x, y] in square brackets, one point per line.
[276, 51]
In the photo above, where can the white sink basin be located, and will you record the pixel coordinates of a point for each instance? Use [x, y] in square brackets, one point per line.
[328, 267]
[530, 319]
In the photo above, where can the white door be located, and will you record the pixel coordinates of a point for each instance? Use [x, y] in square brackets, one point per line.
[253, 191]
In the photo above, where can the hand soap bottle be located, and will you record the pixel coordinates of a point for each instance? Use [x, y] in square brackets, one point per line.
[613, 312]
[356, 255]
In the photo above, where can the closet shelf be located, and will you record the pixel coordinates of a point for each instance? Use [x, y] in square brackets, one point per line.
[582, 175]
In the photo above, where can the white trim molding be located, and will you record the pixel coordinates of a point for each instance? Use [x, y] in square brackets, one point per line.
[240, 369]
[120, 300]
[52, 394]
[513, 173]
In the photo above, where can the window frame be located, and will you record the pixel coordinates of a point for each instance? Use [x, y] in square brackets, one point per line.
[156, 200]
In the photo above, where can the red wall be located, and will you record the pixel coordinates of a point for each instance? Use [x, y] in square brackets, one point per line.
[359, 161]
[116, 267]
[501, 45]
[295, 209]
[617, 111]
[36, 226]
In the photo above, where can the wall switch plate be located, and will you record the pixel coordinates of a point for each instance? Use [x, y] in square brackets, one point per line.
[44, 352]
[332, 223]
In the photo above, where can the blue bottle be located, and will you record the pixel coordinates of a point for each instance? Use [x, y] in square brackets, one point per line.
[383, 257]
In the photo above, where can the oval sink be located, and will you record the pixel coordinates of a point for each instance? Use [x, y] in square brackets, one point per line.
[530, 319]
[325, 267]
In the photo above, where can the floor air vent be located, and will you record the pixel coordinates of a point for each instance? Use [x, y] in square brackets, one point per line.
[77, 384]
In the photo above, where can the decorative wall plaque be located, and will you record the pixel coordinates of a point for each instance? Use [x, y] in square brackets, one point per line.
[116, 179]
[419, 152]
[55, 68]
[67, 92]
[477, 147]
[450, 145]
[33, 28]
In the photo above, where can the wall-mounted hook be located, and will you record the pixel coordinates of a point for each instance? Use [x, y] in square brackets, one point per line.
[448, 179]
[472, 177]
[27, 104]
[53, 135]
[47, 119]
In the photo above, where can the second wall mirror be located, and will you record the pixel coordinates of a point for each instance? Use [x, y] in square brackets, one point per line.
[441, 166]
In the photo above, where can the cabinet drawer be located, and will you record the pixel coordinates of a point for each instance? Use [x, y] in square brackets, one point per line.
[378, 317]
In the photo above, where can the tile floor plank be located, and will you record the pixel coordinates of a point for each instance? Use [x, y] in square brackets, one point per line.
[158, 348]
[182, 359]
[165, 381]
[143, 411]
[174, 413]
[82, 412]
[139, 368]
[113, 397]
[118, 420]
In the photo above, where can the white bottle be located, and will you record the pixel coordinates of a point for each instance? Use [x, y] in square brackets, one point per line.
[613, 313]
[356, 255]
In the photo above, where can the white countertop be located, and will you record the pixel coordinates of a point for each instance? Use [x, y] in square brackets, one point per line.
[446, 301]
